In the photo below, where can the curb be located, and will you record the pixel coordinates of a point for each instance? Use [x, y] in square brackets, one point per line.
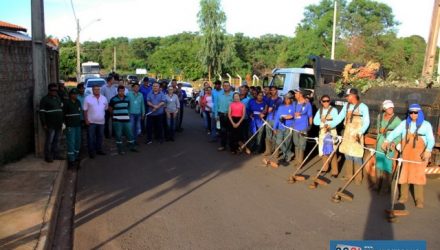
[47, 230]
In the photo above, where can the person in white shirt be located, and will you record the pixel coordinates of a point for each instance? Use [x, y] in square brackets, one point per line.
[94, 117]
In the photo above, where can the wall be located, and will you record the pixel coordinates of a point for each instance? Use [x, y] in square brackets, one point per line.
[16, 97]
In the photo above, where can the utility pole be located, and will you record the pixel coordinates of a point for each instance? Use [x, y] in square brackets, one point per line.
[334, 30]
[428, 65]
[114, 59]
[78, 52]
[39, 68]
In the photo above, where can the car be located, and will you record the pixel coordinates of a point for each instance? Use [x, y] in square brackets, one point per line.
[91, 82]
[188, 88]
[131, 79]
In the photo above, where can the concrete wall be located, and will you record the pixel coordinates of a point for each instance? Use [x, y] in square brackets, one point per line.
[16, 97]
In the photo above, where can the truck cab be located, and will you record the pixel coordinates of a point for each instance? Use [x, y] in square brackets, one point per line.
[286, 79]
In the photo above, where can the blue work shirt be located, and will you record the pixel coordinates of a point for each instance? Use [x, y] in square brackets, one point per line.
[137, 105]
[222, 102]
[274, 104]
[145, 91]
[254, 110]
[301, 122]
[425, 132]
[156, 99]
[284, 110]
[109, 91]
[363, 111]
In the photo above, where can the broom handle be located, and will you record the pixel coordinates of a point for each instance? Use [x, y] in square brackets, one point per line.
[357, 172]
[246, 143]
[328, 159]
[302, 163]
[397, 176]
[281, 144]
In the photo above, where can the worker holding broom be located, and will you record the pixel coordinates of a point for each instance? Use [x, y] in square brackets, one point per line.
[416, 146]
[323, 118]
[273, 101]
[387, 121]
[356, 119]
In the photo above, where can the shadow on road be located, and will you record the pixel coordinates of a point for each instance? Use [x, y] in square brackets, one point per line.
[109, 181]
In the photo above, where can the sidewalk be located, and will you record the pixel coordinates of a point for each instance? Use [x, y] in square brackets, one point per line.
[30, 191]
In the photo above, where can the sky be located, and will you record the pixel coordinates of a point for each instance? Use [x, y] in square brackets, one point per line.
[146, 18]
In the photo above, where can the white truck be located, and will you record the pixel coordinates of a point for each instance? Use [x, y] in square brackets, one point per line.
[89, 70]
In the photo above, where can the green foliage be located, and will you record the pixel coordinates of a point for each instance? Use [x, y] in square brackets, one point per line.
[212, 19]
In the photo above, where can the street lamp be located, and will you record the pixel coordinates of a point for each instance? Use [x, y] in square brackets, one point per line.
[78, 49]
[334, 30]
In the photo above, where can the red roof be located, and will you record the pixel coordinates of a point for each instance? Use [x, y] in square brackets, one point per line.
[11, 26]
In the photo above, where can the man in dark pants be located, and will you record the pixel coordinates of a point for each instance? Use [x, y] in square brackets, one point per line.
[156, 103]
[182, 99]
[222, 102]
[51, 116]
[108, 91]
[72, 118]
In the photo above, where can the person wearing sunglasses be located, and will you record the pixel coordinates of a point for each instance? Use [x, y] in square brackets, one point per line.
[356, 117]
[323, 118]
[416, 145]
[387, 121]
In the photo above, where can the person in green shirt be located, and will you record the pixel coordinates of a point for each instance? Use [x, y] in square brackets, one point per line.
[72, 119]
[51, 116]
[386, 122]
[137, 109]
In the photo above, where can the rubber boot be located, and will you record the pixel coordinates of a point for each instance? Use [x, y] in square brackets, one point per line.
[358, 178]
[268, 150]
[324, 160]
[348, 166]
[418, 196]
[404, 191]
[334, 166]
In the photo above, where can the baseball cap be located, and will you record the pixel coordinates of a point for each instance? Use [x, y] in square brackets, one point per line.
[351, 91]
[74, 91]
[387, 104]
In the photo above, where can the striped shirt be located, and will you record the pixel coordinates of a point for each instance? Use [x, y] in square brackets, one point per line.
[120, 108]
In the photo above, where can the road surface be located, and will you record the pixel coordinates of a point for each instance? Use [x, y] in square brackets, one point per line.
[186, 195]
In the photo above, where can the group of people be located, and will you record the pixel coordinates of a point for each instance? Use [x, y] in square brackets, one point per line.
[247, 117]
[110, 110]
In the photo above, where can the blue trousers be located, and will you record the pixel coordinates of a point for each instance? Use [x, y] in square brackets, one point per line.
[73, 137]
[95, 137]
[135, 121]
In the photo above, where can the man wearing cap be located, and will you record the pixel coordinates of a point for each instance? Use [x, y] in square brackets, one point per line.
[145, 89]
[303, 119]
[273, 101]
[119, 108]
[284, 120]
[72, 119]
[62, 91]
[108, 91]
[137, 109]
[416, 145]
[181, 94]
[387, 121]
[356, 119]
[51, 116]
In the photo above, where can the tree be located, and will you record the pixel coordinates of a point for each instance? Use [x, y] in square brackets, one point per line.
[67, 58]
[211, 19]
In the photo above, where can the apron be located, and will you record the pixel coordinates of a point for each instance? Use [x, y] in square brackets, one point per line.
[353, 124]
[413, 173]
[323, 131]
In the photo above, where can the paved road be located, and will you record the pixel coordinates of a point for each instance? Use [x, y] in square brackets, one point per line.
[186, 195]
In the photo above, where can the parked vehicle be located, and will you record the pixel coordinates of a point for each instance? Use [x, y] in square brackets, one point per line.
[131, 79]
[320, 75]
[91, 82]
[89, 70]
[188, 88]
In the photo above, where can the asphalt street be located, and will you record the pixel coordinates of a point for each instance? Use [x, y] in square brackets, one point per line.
[186, 195]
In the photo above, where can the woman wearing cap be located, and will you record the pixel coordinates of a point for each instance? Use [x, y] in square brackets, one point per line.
[323, 117]
[417, 144]
[283, 121]
[356, 119]
[386, 122]
[172, 106]
[236, 114]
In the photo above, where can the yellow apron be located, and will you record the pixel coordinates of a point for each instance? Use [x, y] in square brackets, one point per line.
[352, 144]
[323, 131]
